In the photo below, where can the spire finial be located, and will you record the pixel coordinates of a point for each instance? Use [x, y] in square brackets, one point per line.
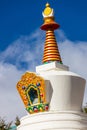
[51, 52]
[48, 11]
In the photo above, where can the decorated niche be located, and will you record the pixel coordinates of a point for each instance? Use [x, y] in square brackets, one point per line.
[31, 88]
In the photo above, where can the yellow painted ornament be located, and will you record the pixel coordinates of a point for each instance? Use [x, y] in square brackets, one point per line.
[47, 10]
[31, 88]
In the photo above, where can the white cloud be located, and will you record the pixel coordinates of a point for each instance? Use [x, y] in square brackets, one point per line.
[25, 50]
[10, 104]
[28, 50]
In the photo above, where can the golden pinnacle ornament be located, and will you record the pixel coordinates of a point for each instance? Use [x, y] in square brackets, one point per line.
[51, 52]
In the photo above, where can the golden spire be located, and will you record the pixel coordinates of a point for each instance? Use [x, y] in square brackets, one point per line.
[51, 52]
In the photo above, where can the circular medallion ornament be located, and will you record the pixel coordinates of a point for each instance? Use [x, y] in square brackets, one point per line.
[47, 10]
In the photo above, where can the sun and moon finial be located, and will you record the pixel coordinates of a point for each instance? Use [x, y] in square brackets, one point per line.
[48, 11]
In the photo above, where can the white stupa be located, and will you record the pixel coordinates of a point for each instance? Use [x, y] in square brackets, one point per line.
[53, 96]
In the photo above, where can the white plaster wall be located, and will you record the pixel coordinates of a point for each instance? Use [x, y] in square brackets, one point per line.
[67, 90]
[64, 91]
[54, 120]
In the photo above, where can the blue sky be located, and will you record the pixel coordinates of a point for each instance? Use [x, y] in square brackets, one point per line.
[21, 44]
[21, 17]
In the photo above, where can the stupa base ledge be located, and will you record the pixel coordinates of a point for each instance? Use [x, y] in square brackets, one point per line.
[52, 66]
[63, 120]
